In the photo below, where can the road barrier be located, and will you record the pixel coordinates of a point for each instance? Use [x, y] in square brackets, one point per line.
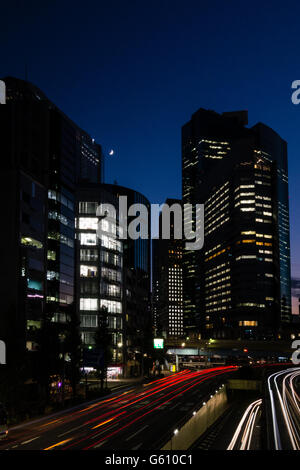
[210, 411]
[243, 384]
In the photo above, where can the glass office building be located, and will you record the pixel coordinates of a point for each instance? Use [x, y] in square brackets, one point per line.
[47, 157]
[238, 285]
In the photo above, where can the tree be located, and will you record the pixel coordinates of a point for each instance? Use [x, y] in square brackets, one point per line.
[73, 348]
[48, 361]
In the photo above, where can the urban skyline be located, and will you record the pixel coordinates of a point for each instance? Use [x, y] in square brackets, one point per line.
[129, 78]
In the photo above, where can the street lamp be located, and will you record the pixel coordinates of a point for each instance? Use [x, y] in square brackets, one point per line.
[120, 346]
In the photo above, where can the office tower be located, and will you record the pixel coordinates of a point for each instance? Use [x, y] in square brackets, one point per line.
[136, 300]
[167, 301]
[45, 157]
[238, 285]
[99, 271]
[113, 273]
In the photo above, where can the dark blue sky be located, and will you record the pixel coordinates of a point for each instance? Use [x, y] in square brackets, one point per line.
[132, 72]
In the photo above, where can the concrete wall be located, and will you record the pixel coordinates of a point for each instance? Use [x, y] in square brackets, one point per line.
[198, 424]
[242, 384]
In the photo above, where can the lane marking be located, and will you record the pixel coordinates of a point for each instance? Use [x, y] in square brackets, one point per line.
[173, 407]
[137, 447]
[105, 430]
[99, 445]
[73, 429]
[30, 440]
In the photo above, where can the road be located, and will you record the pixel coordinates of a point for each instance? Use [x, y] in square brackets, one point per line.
[284, 399]
[245, 436]
[141, 418]
[234, 430]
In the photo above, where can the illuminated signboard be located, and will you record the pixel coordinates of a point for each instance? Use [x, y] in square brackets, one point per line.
[2, 93]
[158, 343]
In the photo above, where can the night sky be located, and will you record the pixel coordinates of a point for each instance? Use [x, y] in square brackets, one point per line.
[132, 72]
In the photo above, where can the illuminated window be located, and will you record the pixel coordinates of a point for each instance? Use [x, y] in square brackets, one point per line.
[88, 223]
[51, 275]
[110, 243]
[88, 304]
[88, 239]
[111, 305]
[31, 242]
[36, 285]
[51, 255]
[88, 271]
[88, 254]
[88, 207]
[248, 323]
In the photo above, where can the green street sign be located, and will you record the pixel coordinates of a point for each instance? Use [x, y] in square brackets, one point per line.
[158, 343]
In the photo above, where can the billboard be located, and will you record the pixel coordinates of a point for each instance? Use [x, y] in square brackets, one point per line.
[158, 343]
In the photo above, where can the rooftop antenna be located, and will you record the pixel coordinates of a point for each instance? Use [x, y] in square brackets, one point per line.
[26, 73]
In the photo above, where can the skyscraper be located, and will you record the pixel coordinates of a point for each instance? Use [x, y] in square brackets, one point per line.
[112, 273]
[46, 157]
[99, 271]
[238, 285]
[136, 276]
[167, 295]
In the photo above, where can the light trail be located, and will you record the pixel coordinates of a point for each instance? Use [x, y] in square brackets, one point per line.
[58, 444]
[242, 438]
[151, 410]
[79, 427]
[194, 379]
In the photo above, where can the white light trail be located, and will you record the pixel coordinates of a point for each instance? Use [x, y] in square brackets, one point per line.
[289, 406]
[245, 428]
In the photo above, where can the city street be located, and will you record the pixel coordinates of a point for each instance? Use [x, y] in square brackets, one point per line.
[150, 249]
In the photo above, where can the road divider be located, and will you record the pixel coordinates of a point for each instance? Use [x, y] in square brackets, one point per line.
[199, 422]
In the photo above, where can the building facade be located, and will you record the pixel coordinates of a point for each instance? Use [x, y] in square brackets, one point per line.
[137, 275]
[167, 290]
[54, 264]
[46, 157]
[99, 272]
